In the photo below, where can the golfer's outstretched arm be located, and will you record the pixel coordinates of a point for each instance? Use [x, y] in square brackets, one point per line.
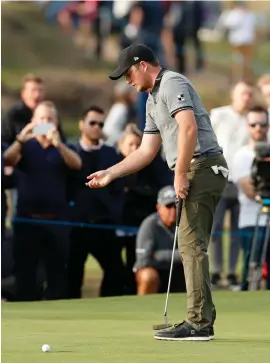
[139, 158]
[132, 163]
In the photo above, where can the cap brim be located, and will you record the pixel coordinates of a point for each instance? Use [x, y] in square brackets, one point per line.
[118, 73]
[166, 202]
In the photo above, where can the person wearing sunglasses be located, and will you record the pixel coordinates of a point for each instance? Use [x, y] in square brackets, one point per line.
[258, 126]
[95, 207]
[264, 88]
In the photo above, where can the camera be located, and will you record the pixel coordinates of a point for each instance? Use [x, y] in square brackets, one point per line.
[260, 170]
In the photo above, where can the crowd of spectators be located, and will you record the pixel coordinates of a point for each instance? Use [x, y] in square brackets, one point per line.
[57, 221]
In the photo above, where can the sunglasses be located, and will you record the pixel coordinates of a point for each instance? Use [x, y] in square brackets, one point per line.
[261, 124]
[95, 123]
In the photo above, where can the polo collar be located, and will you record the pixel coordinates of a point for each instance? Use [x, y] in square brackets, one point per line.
[158, 79]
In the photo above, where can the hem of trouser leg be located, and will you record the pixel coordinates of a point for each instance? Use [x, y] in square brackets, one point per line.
[194, 326]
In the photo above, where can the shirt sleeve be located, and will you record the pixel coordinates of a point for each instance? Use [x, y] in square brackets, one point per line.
[22, 164]
[8, 132]
[145, 246]
[115, 123]
[150, 126]
[176, 95]
[231, 20]
[165, 256]
[215, 119]
[241, 166]
[71, 147]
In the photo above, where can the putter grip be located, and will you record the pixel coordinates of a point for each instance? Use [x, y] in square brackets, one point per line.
[179, 211]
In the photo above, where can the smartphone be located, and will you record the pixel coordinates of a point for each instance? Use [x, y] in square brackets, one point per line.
[42, 129]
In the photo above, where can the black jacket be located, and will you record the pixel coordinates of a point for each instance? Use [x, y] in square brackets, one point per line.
[16, 119]
[141, 190]
[102, 205]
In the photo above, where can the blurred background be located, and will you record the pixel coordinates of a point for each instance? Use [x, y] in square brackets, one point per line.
[71, 46]
[61, 46]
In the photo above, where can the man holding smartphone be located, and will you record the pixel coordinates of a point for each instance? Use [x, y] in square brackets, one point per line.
[44, 163]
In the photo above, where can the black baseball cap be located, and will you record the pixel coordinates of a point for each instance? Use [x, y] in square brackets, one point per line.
[131, 55]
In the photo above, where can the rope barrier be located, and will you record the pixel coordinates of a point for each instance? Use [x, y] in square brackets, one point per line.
[122, 228]
[128, 229]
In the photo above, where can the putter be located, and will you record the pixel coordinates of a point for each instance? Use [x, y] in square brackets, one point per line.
[178, 216]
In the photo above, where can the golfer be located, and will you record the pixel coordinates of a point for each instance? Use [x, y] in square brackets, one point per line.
[175, 116]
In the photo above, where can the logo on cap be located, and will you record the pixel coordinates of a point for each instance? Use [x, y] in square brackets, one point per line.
[169, 194]
[136, 58]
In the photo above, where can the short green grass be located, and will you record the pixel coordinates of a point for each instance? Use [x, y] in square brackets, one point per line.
[120, 330]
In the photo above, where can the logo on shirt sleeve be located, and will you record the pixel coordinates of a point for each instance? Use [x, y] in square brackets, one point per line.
[181, 97]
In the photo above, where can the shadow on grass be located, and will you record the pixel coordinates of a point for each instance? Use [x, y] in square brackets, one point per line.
[244, 340]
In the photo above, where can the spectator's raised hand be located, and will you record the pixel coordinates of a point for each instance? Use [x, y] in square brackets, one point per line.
[53, 137]
[27, 132]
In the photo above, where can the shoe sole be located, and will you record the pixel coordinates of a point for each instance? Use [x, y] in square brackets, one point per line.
[202, 339]
[212, 337]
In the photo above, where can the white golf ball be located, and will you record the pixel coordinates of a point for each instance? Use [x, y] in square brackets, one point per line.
[46, 348]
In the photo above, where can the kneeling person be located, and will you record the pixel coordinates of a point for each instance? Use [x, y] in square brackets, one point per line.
[154, 246]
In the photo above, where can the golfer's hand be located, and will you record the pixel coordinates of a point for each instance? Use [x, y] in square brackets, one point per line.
[181, 185]
[99, 179]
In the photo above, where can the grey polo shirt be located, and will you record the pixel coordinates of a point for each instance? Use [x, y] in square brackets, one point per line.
[172, 92]
[154, 244]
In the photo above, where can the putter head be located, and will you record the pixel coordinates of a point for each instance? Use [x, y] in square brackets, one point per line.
[161, 326]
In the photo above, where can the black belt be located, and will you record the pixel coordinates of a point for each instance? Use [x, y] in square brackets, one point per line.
[207, 154]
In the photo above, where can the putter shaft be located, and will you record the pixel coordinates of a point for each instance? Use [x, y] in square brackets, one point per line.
[178, 216]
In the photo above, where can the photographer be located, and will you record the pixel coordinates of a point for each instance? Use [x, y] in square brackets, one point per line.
[258, 125]
[45, 164]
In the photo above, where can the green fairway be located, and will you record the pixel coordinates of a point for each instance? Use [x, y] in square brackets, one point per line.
[120, 330]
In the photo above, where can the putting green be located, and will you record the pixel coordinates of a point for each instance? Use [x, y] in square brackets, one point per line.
[120, 330]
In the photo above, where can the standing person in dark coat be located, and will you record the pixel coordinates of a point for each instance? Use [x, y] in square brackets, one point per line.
[44, 163]
[21, 113]
[95, 207]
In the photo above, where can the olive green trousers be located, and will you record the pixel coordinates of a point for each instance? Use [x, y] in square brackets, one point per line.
[195, 228]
